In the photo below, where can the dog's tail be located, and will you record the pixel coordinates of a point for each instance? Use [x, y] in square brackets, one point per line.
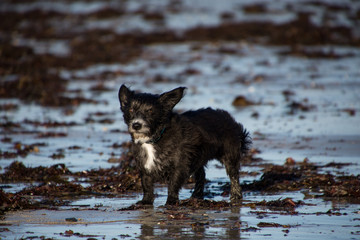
[245, 140]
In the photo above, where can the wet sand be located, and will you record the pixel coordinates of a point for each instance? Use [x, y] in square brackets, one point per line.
[287, 71]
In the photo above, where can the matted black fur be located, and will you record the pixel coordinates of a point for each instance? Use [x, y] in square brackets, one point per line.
[174, 146]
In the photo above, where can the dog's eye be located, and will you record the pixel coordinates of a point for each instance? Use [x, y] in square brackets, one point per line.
[131, 110]
[149, 110]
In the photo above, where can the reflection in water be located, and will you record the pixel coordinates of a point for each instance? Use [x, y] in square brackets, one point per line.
[191, 224]
[233, 230]
[146, 231]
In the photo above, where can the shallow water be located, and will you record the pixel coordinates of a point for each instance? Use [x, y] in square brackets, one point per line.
[244, 222]
[320, 125]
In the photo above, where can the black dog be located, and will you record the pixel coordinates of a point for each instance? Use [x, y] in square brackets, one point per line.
[174, 146]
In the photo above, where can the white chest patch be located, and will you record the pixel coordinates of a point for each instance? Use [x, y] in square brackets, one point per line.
[150, 156]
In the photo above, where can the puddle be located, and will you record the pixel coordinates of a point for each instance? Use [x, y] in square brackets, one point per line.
[294, 85]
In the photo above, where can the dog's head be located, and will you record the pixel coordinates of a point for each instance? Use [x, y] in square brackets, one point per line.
[147, 114]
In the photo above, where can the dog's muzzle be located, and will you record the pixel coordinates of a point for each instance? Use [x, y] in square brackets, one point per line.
[139, 130]
[138, 126]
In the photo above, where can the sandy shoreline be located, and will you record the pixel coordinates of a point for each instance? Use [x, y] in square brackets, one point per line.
[287, 71]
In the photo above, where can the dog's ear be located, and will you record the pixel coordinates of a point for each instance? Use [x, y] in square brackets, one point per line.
[171, 98]
[124, 96]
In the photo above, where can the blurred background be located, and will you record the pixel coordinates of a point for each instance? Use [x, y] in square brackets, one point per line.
[288, 70]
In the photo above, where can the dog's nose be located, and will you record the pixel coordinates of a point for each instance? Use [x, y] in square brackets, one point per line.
[136, 126]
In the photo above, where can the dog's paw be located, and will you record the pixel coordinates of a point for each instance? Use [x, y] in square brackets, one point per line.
[144, 202]
[135, 207]
[197, 195]
[236, 198]
[172, 202]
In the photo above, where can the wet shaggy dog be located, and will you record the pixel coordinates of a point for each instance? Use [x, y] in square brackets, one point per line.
[174, 146]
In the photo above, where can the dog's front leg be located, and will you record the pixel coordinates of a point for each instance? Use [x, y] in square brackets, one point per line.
[199, 184]
[147, 183]
[175, 183]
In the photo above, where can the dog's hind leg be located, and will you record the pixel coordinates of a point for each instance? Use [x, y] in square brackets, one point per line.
[232, 166]
[199, 184]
